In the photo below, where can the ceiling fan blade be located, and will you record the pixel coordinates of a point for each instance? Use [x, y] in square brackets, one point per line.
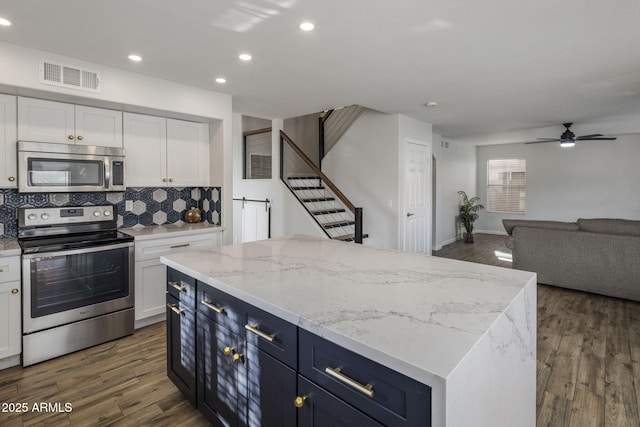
[540, 140]
[593, 135]
[599, 139]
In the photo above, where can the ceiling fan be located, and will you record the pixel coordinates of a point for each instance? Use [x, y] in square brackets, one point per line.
[568, 138]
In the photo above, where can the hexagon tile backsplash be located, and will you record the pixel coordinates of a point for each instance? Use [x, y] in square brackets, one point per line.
[151, 205]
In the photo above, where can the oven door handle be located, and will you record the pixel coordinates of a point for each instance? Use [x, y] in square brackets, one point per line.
[85, 250]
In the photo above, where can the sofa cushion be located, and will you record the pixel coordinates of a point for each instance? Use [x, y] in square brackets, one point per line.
[624, 227]
[509, 224]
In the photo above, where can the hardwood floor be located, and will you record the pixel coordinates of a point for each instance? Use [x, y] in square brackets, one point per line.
[120, 383]
[588, 370]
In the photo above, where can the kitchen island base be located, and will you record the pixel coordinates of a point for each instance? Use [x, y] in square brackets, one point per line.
[450, 343]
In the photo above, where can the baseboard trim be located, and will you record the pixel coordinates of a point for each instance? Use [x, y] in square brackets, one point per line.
[500, 233]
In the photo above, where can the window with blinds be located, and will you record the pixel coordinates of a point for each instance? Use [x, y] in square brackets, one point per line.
[506, 182]
[257, 156]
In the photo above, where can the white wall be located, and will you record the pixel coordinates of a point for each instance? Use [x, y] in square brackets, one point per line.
[364, 166]
[304, 131]
[595, 179]
[127, 91]
[455, 171]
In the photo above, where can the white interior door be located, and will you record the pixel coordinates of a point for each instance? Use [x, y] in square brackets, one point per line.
[417, 198]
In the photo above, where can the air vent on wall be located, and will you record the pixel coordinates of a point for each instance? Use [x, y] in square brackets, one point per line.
[69, 76]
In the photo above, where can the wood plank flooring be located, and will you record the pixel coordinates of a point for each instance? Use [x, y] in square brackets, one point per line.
[119, 383]
[588, 370]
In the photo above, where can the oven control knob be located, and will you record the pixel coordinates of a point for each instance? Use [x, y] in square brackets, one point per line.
[32, 217]
[96, 213]
[107, 213]
[44, 216]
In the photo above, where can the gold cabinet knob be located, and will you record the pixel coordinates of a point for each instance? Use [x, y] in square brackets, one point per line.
[237, 357]
[299, 401]
[79, 137]
[12, 178]
[170, 179]
[228, 350]
[164, 179]
[70, 137]
[14, 291]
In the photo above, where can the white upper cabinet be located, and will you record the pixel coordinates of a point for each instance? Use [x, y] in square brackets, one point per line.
[145, 143]
[187, 153]
[165, 152]
[97, 126]
[8, 139]
[49, 121]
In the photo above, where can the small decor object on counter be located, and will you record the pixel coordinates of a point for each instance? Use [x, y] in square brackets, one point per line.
[193, 215]
[468, 209]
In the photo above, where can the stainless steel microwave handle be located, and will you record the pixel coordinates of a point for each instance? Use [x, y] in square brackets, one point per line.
[107, 173]
[77, 251]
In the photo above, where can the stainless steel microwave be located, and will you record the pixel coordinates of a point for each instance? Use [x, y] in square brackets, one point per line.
[67, 168]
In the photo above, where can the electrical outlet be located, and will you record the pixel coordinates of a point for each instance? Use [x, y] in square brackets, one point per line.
[128, 205]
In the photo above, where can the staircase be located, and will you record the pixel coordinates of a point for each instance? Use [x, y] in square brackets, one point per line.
[337, 221]
[326, 204]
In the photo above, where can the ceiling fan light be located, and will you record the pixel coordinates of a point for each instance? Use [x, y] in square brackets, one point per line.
[567, 143]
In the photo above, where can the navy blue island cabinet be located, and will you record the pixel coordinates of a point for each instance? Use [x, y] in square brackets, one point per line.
[242, 366]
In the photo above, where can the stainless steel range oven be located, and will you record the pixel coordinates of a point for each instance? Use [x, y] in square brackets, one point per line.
[77, 280]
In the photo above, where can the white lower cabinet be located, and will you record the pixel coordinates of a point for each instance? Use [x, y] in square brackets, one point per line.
[151, 275]
[10, 308]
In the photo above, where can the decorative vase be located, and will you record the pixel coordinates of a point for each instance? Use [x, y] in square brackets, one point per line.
[468, 237]
[193, 215]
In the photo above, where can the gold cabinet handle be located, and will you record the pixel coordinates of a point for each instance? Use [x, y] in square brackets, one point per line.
[210, 305]
[237, 357]
[336, 373]
[12, 178]
[70, 137]
[181, 245]
[254, 329]
[164, 179]
[299, 401]
[175, 285]
[170, 179]
[79, 137]
[14, 291]
[1, 270]
[175, 308]
[227, 351]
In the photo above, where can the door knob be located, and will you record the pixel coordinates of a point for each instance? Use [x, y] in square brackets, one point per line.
[237, 357]
[228, 350]
[410, 214]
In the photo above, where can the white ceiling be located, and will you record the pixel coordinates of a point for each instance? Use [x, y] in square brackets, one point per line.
[512, 69]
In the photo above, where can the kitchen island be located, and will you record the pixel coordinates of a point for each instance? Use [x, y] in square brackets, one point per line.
[467, 331]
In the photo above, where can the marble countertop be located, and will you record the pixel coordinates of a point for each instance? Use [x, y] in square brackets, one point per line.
[9, 247]
[419, 315]
[161, 231]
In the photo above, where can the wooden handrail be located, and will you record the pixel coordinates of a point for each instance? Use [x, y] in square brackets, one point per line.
[318, 172]
[255, 132]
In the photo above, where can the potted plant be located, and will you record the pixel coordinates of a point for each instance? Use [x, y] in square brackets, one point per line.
[468, 214]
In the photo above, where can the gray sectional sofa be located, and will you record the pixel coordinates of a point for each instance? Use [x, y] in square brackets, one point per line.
[594, 255]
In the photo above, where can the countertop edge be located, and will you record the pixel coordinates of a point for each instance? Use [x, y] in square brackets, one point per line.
[162, 232]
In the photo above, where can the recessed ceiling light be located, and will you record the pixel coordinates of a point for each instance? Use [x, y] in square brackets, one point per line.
[307, 26]
[245, 57]
[136, 58]
[221, 80]
[4, 22]
[431, 104]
